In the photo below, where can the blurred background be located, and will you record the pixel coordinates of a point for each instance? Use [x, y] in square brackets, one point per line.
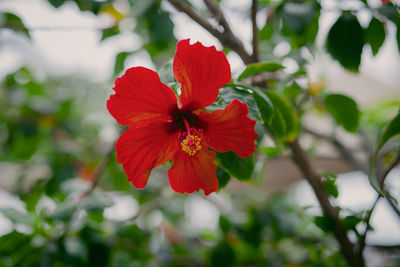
[64, 201]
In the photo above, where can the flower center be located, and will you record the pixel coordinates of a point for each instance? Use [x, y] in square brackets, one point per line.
[191, 144]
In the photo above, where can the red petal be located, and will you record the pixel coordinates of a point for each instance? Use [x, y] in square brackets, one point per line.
[144, 148]
[201, 71]
[192, 173]
[140, 97]
[230, 129]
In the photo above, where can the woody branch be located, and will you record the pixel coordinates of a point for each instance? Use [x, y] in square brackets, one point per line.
[226, 37]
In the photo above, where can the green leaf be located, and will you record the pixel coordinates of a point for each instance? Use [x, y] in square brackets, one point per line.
[279, 115]
[300, 23]
[267, 32]
[331, 188]
[228, 94]
[14, 22]
[161, 29]
[121, 257]
[256, 68]
[289, 115]
[326, 224]
[223, 178]
[139, 7]
[56, 3]
[224, 224]
[390, 131]
[273, 121]
[344, 110]
[375, 35]
[297, 16]
[351, 221]
[63, 211]
[120, 62]
[109, 32]
[265, 106]
[271, 152]
[336, 259]
[345, 41]
[92, 6]
[329, 184]
[292, 91]
[240, 168]
[373, 179]
[11, 242]
[17, 216]
[34, 88]
[222, 255]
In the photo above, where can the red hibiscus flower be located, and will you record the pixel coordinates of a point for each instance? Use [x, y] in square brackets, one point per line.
[164, 128]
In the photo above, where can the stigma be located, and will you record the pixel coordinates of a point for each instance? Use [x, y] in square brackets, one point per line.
[191, 144]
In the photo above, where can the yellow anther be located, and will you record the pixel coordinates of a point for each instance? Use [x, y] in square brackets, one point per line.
[191, 144]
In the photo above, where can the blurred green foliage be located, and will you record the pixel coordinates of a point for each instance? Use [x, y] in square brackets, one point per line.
[47, 135]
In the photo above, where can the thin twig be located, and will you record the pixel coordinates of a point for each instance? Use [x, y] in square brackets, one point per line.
[343, 150]
[227, 38]
[185, 8]
[149, 206]
[218, 15]
[367, 220]
[382, 179]
[303, 100]
[303, 163]
[391, 202]
[385, 247]
[362, 242]
[99, 171]
[95, 178]
[365, 144]
[256, 54]
[261, 80]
